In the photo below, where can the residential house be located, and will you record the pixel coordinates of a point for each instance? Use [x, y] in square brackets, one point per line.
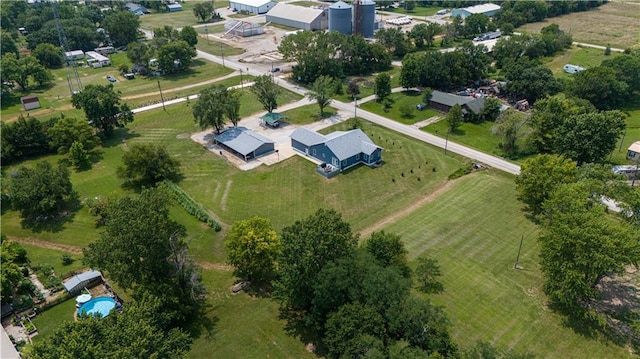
[443, 102]
[136, 9]
[338, 150]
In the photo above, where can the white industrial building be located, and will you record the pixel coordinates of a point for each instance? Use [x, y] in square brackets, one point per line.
[74, 55]
[299, 17]
[252, 6]
[485, 9]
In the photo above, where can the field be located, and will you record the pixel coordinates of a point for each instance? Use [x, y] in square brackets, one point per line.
[478, 136]
[417, 11]
[400, 99]
[616, 24]
[581, 56]
[474, 231]
[176, 19]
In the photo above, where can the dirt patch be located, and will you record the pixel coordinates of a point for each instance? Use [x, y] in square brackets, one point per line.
[45, 244]
[215, 266]
[412, 207]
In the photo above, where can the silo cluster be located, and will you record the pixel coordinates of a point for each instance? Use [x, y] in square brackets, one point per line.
[348, 19]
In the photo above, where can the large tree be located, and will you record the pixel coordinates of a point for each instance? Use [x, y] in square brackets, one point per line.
[580, 245]
[532, 83]
[21, 70]
[132, 333]
[382, 86]
[189, 35]
[267, 92]
[347, 327]
[203, 10]
[147, 164]
[252, 248]
[454, 118]
[13, 256]
[539, 177]
[510, 127]
[601, 86]
[122, 27]
[138, 53]
[68, 130]
[307, 246]
[40, 191]
[627, 68]
[388, 250]
[49, 55]
[322, 90]
[427, 272]
[176, 56]
[589, 137]
[142, 249]
[24, 138]
[210, 109]
[101, 105]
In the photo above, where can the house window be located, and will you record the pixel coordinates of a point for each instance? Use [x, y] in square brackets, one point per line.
[344, 163]
[365, 157]
[357, 156]
[314, 151]
[334, 161]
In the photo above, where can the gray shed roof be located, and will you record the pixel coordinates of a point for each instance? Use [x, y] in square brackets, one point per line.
[350, 143]
[474, 104]
[242, 140]
[71, 283]
[302, 14]
[307, 137]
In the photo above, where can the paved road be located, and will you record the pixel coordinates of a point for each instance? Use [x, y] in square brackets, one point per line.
[492, 161]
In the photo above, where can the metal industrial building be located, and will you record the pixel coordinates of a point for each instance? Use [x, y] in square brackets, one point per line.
[252, 6]
[300, 17]
[485, 9]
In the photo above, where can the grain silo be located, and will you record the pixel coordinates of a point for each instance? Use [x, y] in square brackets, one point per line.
[365, 18]
[340, 18]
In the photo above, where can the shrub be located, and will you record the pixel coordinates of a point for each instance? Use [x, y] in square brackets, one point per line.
[66, 259]
[191, 206]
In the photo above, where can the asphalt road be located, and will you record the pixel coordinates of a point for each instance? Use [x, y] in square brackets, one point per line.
[491, 161]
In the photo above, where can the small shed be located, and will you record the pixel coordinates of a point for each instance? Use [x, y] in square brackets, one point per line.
[74, 284]
[245, 143]
[30, 102]
[633, 152]
[272, 118]
[173, 7]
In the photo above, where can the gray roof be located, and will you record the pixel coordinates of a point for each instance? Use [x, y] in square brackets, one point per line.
[302, 14]
[340, 5]
[350, 143]
[307, 137]
[474, 104]
[242, 140]
[71, 283]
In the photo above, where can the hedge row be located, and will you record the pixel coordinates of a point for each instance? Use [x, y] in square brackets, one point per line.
[191, 206]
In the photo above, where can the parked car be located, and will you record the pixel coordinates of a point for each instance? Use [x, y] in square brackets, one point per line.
[275, 69]
[111, 78]
[129, 76]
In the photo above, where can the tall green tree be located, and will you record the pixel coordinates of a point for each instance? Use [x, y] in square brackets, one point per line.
[510, 127]
[40, 191]
[347, 327]
[590, 137]
[68, 130]
[267, 92]
[539, 177]
[476, 24]
[24, 138]
[252, 248]
[322, 91]
[427, 273]
[147, 164]
[122, 27]
[454, 118]
[627, 68]
[142, 249]
[203, 10]
[388, 250]
[101, 105]
[7, 43]
[601, 86]
[579, 245]
[382, 86]
[139, 53]
[209, 111]
[232, 106]
[78, 155]
[189, 35]
[307, 246]
[21, 70]
[13, 256]
[131, 333]
[176, 56]
[49, 55]
[532, 83]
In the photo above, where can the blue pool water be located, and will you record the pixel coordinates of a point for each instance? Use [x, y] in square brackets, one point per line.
[102, 305]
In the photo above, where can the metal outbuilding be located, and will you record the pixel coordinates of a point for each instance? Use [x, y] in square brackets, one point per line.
[245, 143]
[299, 17]
[485, 9]
[77, 282]
[252, 6]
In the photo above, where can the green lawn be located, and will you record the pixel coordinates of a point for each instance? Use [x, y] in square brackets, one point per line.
[176, 19]
[400, 99]
[44, 256]
[478, 136]
[474, 231]
[417, 11]
[48, 321]
[307, 114]
[581, 56]
[631, 135]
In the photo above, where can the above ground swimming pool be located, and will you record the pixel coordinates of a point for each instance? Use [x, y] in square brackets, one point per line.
[102, 305]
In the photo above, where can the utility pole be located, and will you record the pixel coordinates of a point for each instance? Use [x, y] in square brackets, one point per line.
[206, 31]
[446, 142]
[355, 106]
[222, 51]
[241, 84]
[161, 97]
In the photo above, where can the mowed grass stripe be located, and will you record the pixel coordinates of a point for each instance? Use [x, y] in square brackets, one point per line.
[474, 230]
